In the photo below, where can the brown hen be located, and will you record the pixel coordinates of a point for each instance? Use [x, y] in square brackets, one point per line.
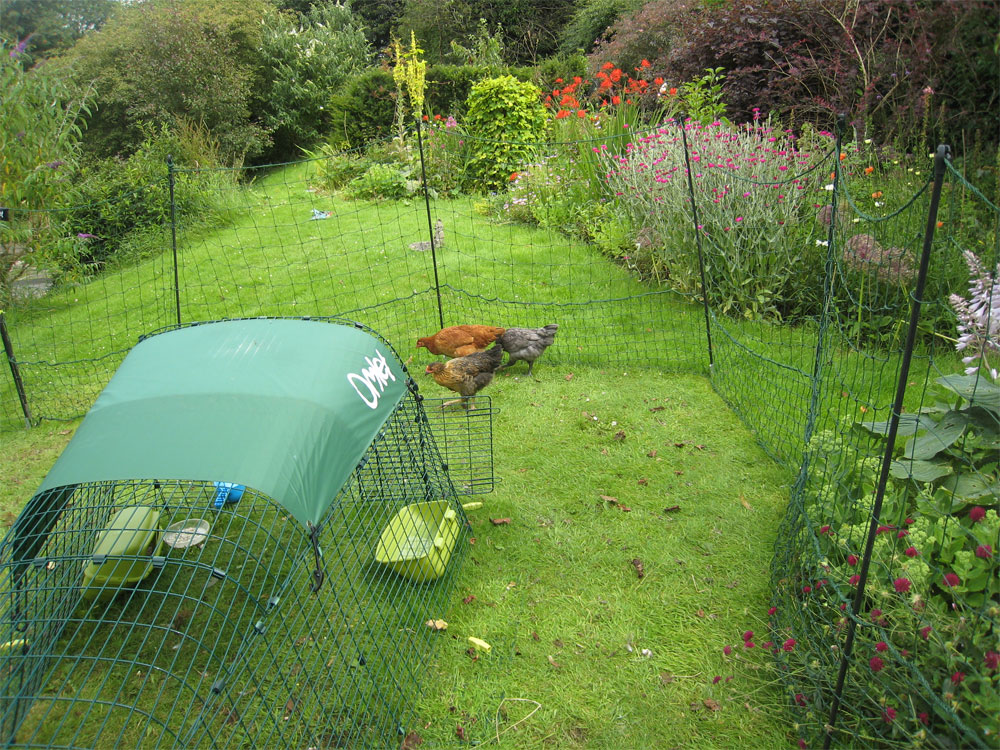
[458, 341]
[467, 375]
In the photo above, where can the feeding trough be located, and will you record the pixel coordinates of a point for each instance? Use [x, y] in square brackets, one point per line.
[123, 555]
[419, 540]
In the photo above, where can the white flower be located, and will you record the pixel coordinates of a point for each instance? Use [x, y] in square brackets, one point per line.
[822, 243]
[828, 187]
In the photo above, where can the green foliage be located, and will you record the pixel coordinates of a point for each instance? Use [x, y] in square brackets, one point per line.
[446, 156]
[161, 63]
[39, 140]
[448, 87]
[484, 50]
[506, 120]
[51, 26]
[307, 60]
[701, 98]
[590, 20]
[335, 167]
[364, 112]
[382, 182]
[124, 212]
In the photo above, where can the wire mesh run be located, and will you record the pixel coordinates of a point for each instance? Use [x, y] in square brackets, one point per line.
[464, 438]
[188, 614]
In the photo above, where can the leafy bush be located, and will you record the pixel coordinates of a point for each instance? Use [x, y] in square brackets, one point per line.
[446, 156]
[335, 168]
[161, 63]
[39, 140]
[306, 61]
[591, 19]
[125, 208]
[382, 182]
[448, 87]
[505, 120]
[365, 111]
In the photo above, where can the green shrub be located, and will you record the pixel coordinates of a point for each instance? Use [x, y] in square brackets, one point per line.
[308, 60]
[449, 86]
[365, 111]
[505, 121]
[382, 182]
[335, 168]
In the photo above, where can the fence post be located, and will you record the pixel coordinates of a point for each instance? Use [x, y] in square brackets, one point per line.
[940, 159]
[171, 180]
[430, 227]
[15, 371]
[697, 239]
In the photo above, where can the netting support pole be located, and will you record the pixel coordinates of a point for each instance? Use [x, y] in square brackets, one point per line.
[15, 371]
[697, 239]
[171, 180]
[940, 164]
[430, 225]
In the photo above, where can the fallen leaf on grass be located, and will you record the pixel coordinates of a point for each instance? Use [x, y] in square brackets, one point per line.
[700, 613]
[712, 705]
[411, 740]
[614, 501]
[460, 732]
[620, 435]
[640, 570]
[672, 509]
[643, 481]
[468, 599]
[289, 708]
[554, 663]
[437, 624]
[569, 376]
[666, 678]
[499, 521]
[658, 408]
[651, 454]
[744, 503]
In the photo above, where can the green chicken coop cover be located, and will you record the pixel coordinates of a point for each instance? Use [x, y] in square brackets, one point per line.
[287, 407]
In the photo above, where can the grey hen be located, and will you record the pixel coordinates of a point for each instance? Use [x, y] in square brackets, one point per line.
[527, 344]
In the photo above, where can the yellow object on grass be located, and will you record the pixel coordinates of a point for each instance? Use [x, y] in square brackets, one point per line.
[419, 539]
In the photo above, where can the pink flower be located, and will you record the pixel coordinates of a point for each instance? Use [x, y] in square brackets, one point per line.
[925, 631]
[749, 644]
[824, 529]
[889, 715]
[853, 580]
[957, 678]
[876, 664]
[984, 551]
[901, 533]
[950, 579]
[924, 717]
[806, 589]
[727, 650]
[789, 644]
[977, 514]
[717, 679]
[800, 699]
[748, 635]
[992, 660]
[911, 552]
[772, 610]
[802, 742]
[881, 646]
[902, 585]
[852, 559]
[883, 529]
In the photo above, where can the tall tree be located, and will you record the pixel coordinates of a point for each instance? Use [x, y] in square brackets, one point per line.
[51, 26]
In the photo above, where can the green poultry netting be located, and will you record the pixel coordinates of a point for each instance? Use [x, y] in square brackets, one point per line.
[824, 305]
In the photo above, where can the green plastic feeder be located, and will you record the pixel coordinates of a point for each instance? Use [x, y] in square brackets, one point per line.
[124, 552]
[419, 540]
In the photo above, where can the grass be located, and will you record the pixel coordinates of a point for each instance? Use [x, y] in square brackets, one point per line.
[559, 580]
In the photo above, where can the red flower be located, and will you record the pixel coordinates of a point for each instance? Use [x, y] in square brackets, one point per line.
[607, 66]
[727, 650]
[789, 644]
[824, 529]
[657, 81]
[559, 80]
[889, 715]
[902, 585]
[950, 579]
[882, 529]
[802, 744]
[748, 635]
[992, 660]
[800, 699]
[673, 91]
[644, 63]
[876, 664]
[881, 646]
[749, 644]
[852, 559]
[717, 679]
[561, 114]
[616, 100]
[806, 589]
[853, 580]
[616, 75]
[957, 678]
[925, 719]
[911, 552]
[772, 610]
[901, 533]
[984, 551]
[977, 514]
[925, 631]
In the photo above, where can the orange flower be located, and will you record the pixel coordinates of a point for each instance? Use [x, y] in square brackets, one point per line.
[561, 114]
[616, 75]
[607, 66]
[673, 91]
[940, 224]
[657, 81]
[559, 80]
[869, 170]
[513, 176]
[581, 113]
[843, 155]
[616, 100]
[877, 194]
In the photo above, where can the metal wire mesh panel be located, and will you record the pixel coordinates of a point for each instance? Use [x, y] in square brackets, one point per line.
[465, 439]
[170, 614]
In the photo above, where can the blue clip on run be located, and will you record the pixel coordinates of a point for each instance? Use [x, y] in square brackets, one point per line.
[227, 492]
